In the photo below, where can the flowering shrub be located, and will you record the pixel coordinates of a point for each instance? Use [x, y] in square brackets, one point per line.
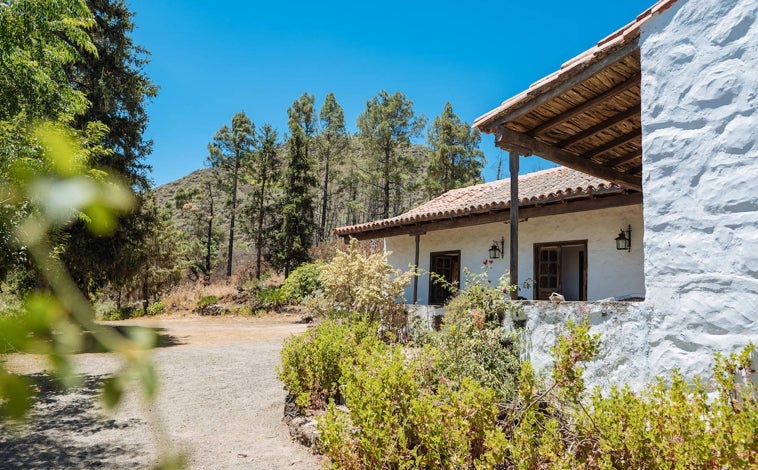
[366, 286]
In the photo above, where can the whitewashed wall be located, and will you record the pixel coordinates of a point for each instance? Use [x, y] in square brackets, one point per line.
[700, 178]
[610, 272]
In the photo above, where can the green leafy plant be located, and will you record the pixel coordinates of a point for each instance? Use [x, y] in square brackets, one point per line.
[270, 298]
[310, 368]
[207, 301]
[303, 282]
[156, 308]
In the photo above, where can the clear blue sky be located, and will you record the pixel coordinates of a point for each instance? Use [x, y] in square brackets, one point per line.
[213, 59]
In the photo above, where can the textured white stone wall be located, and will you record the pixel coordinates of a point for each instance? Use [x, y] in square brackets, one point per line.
[700, 179]
[610, 272]
[624, 335]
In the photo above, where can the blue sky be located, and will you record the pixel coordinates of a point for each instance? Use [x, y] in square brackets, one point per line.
[213, 59]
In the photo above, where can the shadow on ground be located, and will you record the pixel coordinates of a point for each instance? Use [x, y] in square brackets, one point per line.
[163, 340]
[65, 430]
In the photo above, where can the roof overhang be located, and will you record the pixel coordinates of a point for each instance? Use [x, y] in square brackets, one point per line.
[527, 210]
[585, 116]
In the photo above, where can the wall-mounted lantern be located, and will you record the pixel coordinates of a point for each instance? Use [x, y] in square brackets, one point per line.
[497, 248]
[624, 240]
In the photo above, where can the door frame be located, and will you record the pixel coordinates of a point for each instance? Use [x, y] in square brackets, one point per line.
[583, 267]
[432, 256]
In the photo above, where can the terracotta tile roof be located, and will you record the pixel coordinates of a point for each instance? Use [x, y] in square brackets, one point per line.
[542, 187]
[612, 42]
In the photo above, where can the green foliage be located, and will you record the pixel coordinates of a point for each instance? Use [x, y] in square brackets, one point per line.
[395, 421]
[465, 350]
[332, 143]
[229, 154]
[263, 175]
[156, 308]
[296, 225]
[386, 128]
[207, 301]
[53, 320]
[364, 285]
[272, 298]
[310, 367]
[303, 282]
[480, 299]
[203, 234]
[455, 160]
[576, 346]
[670, 424]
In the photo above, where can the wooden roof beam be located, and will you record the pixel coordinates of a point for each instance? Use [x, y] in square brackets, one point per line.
[569, 83]
[632, 81]
[601, 126]
[624, 159]
[626, 138]
[508, 140]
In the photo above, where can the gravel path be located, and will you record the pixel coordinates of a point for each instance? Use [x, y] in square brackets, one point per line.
[219, 402]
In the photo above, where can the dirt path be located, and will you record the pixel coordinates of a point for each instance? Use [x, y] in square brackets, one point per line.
[220, 403]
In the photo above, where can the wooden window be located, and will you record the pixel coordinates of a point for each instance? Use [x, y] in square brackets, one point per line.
[447, 266]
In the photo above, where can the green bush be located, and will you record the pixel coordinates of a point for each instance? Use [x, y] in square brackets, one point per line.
[303, 282]
[207, 301]
[269, 299]
[395, 421]
[487, 355]
[672, 424]
[310, 368]
[156, 308]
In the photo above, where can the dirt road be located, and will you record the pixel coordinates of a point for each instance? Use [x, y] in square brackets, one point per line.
[219, 402]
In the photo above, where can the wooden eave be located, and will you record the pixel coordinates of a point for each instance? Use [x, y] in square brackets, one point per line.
[557, 206]
[586, 117]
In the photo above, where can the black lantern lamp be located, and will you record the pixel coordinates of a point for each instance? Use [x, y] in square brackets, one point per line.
[495, 250]
[624, 240]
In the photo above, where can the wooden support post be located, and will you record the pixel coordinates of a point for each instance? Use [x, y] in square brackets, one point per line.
[514, 161]
[415, 265]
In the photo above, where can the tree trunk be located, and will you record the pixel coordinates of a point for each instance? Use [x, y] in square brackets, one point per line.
[209, 240]
[230, 251]
[324, 198]
[386, 190]
[259, 231]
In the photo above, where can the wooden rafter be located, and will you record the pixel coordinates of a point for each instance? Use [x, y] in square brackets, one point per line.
[626, 138]
[624, 159]
[508, 139]
[563, 87]
[601, 126]
[632, 81]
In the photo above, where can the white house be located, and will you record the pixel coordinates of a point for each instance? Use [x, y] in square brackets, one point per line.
[664, 107]
[569, 223]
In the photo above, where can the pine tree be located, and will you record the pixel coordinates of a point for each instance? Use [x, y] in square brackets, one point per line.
[204, 236]
[295, 236]
[263, 175]
[117, 88]
[456, 160]
[333, 141]
[228, 154]
[386, 127]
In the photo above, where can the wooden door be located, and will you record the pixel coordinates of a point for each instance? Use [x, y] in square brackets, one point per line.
[547, 274]
[447, 266]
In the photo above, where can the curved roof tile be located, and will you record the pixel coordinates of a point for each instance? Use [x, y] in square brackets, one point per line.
[540, 187]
